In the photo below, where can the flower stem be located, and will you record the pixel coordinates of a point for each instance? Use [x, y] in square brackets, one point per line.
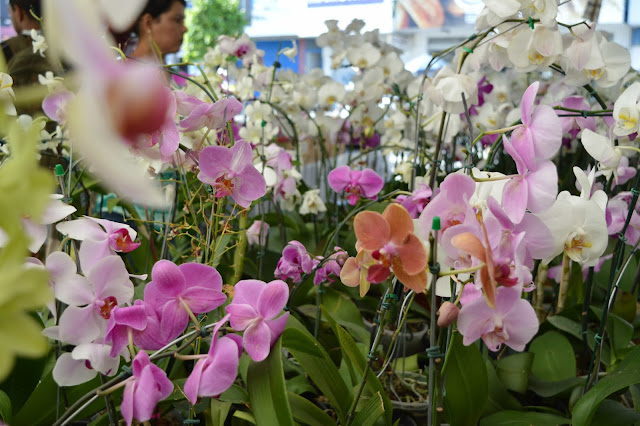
[462, 271]
[190, 313]
[241, 248]
[564, 282]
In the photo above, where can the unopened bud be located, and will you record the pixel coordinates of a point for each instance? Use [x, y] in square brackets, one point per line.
[447, 314]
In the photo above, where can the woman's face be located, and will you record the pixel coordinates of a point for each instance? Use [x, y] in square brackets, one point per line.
[168, 29]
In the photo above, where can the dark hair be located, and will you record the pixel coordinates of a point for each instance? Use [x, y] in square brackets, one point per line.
[34, 5]
[155, 8]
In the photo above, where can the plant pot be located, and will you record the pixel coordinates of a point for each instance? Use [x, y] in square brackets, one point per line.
[414, 341]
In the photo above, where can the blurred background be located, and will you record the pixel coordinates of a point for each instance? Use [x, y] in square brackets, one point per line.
[418, 27]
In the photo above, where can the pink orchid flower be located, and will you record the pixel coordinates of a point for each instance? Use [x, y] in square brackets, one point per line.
[148, 386]
[574, 125]
[230, 171]
[91, 301]
[512, 322]
[257, 233]
[356, 183]
[530, 190]
[540, 135]
[199, 114]
[392, 245]
[166, 136]
[176, 290]
[451, 204]
[100, 238]
[295, 262]
[254, 309]
[139, 320]
[55, 105]
[215, 372]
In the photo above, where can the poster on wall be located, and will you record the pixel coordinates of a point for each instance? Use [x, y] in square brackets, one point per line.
[434, 13]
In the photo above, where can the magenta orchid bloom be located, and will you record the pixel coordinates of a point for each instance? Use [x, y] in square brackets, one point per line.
[295, 262]
[574, 125]
[417, 201]
[254, 309]
[91, 301]
[332, 267]
[174, 289]
[100, 238]
[540, 135]
[199, 114]
[141, 320]
[512, 322]
[230, 171]
[148, 386]
[451, 204]
[216, 371]
[356, 183]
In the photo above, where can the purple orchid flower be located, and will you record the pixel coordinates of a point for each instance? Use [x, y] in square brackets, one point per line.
[356, 183]
[174, 290]
[512, 322]
[148, 386]
[540, 135]
[141, 320]
[417, 201]
[230, 171]
[199, 114]
[484, 88]
[451, 204]
[573, 125]
[216, 371]
[295, 262]
[254, 309]
[332, 267]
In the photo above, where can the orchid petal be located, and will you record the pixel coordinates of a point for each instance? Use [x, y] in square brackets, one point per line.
[371, 229]
[400, 222]
[242, 316]
[257, 340]
[272, 299]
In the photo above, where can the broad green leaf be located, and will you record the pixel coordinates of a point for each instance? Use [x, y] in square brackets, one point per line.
[498, 398]
[627, 374]
[243, 415]
[299, 385]
[554, 358]
[267, 390]
[547, 389]
[613, 413]
[306, 412]
[358, 363]
[235, 394]
[625, 306]
[219, 411]
[317, 364]
[635, 396]
[575, 329]
[293, 338]
[521, 418]
[466, 383]
[620, 332]
[371, 411]
[514, 370]
[5, 408]
[346, 313]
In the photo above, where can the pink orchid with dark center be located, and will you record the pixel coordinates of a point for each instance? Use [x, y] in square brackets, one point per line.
[254, 309]
[215, 372]
[148, 386]
[230, 171]
[540, 135]
[573, 125]
[139, 320]
[91, 301]
[178, 292]
[355, 183]
[295, 262]
[512, 321]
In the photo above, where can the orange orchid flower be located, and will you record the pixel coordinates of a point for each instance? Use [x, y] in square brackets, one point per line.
[468, 242]
[386, 243]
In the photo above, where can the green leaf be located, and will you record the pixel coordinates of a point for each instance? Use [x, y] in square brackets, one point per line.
[306, 412]
[317, 364]
[514, 371]
[296, 339]
[554, 357]
[346, 313]
[5, 408]
[520, 418]
[612, 413]
[299, 385]
[466, 383]
[235, 394]
[219, 411]
[619, 332]
[635, 396]
[372, 410]
[575, 329]
[358, 363]
[627, 374]
[547, 389]
[267, 390]
[498, 398]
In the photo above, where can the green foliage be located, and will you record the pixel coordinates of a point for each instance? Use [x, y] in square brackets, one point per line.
[554, 358]
[466, 383]
[206, 20]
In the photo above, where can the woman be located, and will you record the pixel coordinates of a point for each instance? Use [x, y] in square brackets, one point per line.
[159, 30]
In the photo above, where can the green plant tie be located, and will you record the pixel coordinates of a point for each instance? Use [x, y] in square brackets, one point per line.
[391, 296]
[531, 24]
[435, 225]
[59, 170]
[321, 291]
[622, 237]
[635, 192]
[386, 305]
[434, 269]
[435, 352]
[126, 371]
[597, 338]
[191, 422]
[467, 49]
[264, 123]
[371, 356]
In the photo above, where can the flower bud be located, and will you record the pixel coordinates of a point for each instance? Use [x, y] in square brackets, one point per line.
[447, 314]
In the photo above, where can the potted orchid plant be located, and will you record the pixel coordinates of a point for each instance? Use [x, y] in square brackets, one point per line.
[260, 213]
